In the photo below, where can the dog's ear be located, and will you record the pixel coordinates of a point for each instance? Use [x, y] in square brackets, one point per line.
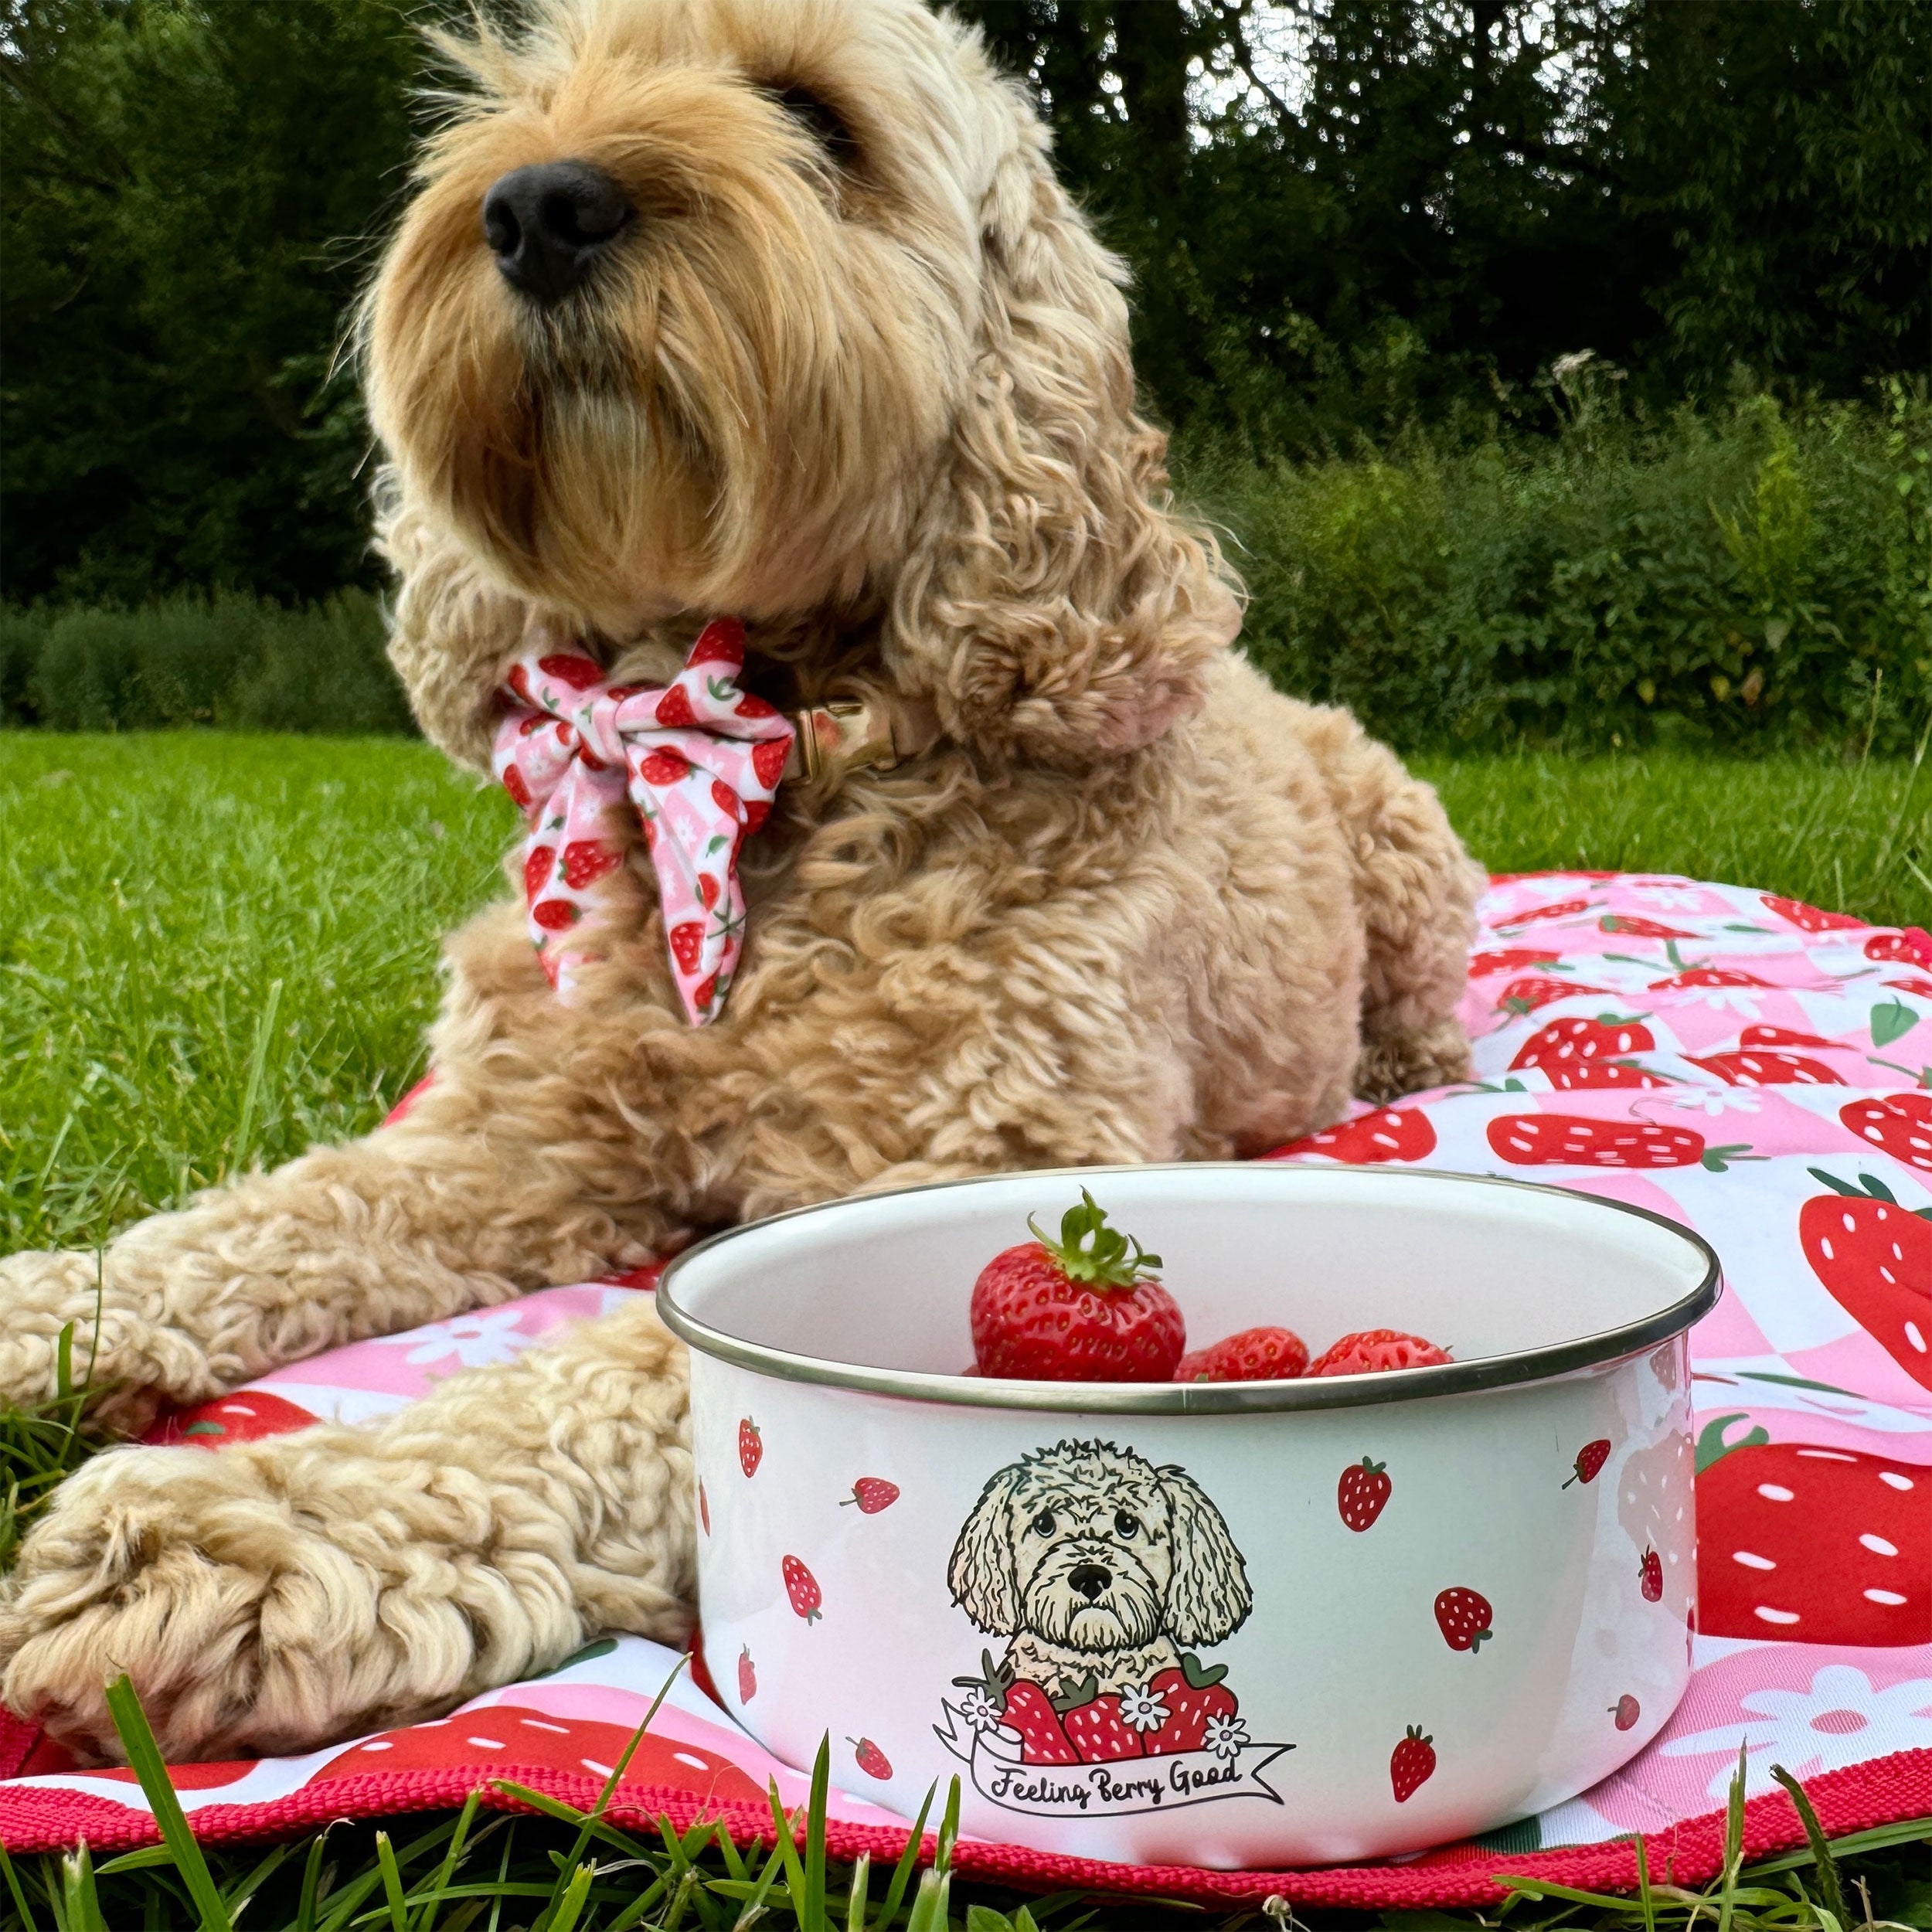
[1208, 1597]
[453, 633]
[981, 1575]
[1053, 606]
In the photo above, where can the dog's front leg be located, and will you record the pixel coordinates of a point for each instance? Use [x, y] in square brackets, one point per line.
[279, 1595]
[465, 1202]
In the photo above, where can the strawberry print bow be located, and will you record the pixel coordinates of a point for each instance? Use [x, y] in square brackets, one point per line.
[699, 758]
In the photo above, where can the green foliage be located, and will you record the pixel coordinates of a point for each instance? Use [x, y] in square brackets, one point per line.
[231, 659]
[1757, 576]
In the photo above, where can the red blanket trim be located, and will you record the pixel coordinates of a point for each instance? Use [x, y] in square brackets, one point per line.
[1859, 1797]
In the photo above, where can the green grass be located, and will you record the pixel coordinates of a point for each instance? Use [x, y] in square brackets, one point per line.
[220, 949]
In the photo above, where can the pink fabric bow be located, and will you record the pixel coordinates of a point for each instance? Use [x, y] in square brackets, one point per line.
[699, 759]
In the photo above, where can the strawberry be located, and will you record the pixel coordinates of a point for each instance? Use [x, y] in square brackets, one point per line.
[768, 758]
[674, 708]
[1807, 919]
[1508, 959]
[1193, 1695]
[1575, 1140]
[1525, 995]
[555, 915]
[704, 993]
[747, 1676]
[721, 642]
[1564, 908]
[1632, 928]
[872, 1493]
[1706, 976]
[537, 862]
[246, 1416]
[579, 673]
[802, 1587]
[587, 860]
[1093, 1725]
[686, 938]
[1650, 1575]
[751, 1447]
[1254, 1354]
[1564, 1042]
[1899, 1124]
[1364, 1489]
[664, 767]
[1875, 1260]
[725, 798]
[1389, 1133]
[707, 890]
[1818, 1545]
[1768, 1066]
[518, 786]
[1590, 1460]
[704, 1509]
[1911, 945]
[510, 1740]
[1030, 1711]
[1626, 1711]
[1598, 1076]
[871, 1760]
[749, 706]
[1412, 1763]
[1370, 1351]
[1779, 1036]
[1464, 1618]
[1080, 1309]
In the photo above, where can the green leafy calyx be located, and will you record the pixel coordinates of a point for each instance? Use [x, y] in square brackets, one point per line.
[1093, 1253]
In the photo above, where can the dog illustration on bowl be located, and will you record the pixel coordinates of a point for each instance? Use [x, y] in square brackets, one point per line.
[1103, 1573]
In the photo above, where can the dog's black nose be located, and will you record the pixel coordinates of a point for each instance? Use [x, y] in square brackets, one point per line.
[547, 225]
[1091, 1580]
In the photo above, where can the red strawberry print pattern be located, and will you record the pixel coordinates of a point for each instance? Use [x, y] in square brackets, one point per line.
[1815, 1544]
[1631, 927]
[802, 1587]
[1389, 1133]
[870, 1759]
[1096, 1727]
[1650, 1576]
[1625, 1711]
[1464, 1618]
[704, 1510]
[872, 1493]
[1899, 1124]
[1767, 1066]
[1577, 1140]
[1609, 1036]
[247, 1416]
[1508, 960]
[1412, 1763]
[1875, 1260]
[1363, 1493]
[1030, 1711]
[1564, 908]
[501, 1740]
[1706, 976]
[697, 770]
[747, 1676]
[1193, 1696]
[1911, 945]
[1779, 1036]
[1525, 995]
[1590, 1460]
[1807, 919]
[751, 1447]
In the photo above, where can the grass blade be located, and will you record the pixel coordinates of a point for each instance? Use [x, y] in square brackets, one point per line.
[399, 1917]
[570, 1907]
[13, 1888]
[811, 1912]
[144, 1759]
[1827, 1874]
[251, 1093]
[451, 1859]
[908, 1863]
[1733, 1845]
[311, 1899]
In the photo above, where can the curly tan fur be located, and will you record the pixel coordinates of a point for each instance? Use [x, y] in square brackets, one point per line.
[1130, 905]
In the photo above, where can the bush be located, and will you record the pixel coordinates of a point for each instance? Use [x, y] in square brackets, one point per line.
[231, 660]
[1756, 576]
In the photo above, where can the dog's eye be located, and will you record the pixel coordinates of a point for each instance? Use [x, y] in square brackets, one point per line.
[1125, 1526]
[822, 120]
[1043, 1524]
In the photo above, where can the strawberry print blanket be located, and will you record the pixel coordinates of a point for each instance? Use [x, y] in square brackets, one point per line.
[1757, 1068]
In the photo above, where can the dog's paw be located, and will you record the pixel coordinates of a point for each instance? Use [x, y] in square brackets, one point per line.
[247, 1626]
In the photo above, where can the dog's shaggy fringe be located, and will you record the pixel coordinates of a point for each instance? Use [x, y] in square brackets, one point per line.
[1128, 905]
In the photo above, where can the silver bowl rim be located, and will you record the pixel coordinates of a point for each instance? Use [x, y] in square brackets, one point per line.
[1605, 1348]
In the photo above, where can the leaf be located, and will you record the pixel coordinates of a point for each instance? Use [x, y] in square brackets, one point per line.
[1891, 1020]
[1712, 1447]
[144, 1758]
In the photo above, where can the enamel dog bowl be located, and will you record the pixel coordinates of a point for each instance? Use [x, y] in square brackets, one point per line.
[1234, 1624]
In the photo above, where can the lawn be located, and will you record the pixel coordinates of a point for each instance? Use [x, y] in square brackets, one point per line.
[221, 948]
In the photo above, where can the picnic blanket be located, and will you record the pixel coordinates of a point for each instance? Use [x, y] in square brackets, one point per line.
[1752, 1066]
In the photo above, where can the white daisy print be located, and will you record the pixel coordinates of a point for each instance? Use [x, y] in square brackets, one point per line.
[1225, 1735]
[980, 1711]
[1142, 1710]
[1713, 1099]
[475, 1341]
[1841, 1719]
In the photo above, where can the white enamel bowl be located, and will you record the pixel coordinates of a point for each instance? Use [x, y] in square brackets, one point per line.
[892, 1533]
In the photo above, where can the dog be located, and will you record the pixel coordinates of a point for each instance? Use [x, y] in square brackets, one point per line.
[770, 310]
[1097, 1565]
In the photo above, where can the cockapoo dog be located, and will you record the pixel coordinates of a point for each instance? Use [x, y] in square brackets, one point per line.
[1097, 1565]
[771, 310]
